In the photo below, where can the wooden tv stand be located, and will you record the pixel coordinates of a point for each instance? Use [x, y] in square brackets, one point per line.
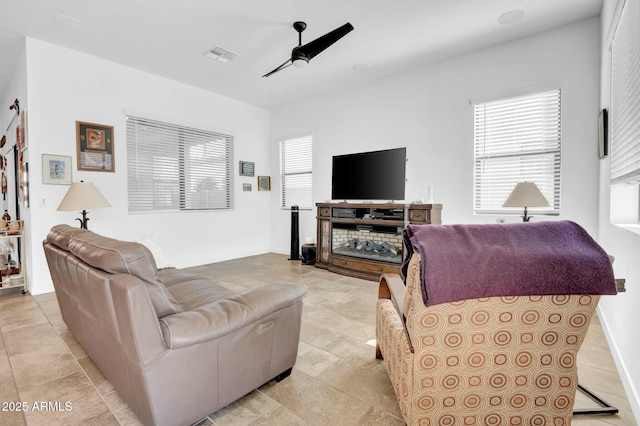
[364, 240]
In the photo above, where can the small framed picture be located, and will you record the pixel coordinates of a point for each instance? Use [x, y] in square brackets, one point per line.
[94, 147]
[246, 187]
[603, 130]
[56, 169]
[247, 168]
[264, 183]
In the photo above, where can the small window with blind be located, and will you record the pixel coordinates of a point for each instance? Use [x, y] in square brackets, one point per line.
[517, 140]
[625, 118]
[296, 172]
[177, 168]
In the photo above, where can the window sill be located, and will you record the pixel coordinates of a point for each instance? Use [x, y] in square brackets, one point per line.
[632, 227]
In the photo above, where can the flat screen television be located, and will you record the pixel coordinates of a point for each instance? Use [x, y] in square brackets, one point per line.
[374, 175]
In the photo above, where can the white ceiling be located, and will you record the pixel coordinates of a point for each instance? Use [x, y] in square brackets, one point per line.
[171, 38]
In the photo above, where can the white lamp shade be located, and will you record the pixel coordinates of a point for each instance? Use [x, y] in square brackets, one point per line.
[526, 194]
[82, 196]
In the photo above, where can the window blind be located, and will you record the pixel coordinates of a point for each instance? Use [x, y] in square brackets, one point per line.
[296, 170]
[516, 140]
[625, 96]
[176, 168]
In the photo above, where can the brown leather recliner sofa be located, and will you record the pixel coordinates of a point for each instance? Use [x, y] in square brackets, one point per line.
[176, 346]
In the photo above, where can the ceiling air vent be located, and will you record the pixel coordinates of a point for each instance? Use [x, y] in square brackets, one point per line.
[221, 55]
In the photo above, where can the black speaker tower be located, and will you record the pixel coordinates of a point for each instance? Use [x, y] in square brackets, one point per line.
[295, 237]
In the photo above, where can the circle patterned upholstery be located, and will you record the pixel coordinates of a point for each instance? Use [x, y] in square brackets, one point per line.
[492, 361]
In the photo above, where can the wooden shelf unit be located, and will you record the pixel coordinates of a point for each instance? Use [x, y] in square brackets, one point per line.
[366, 217]
[14, 231]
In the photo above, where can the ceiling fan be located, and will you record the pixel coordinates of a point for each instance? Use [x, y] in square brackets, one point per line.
[301, 55]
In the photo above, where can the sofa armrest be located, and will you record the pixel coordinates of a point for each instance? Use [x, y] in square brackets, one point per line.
[228, 314]
[392, 287]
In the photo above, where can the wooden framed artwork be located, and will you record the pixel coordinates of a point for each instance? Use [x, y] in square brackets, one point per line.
[264, 183]
[247, 168]
[94, 147]
[56, 169]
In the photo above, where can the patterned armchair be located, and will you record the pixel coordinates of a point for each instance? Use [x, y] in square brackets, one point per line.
[499, 360]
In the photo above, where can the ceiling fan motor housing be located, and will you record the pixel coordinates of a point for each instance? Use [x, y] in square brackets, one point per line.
[301, 55]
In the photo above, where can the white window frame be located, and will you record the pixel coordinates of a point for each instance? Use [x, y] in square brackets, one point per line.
[176, 168]
[625, 118]
[296, 172]
[517, 139]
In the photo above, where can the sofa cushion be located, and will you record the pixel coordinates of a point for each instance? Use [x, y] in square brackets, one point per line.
[115, 256]
[151, 242]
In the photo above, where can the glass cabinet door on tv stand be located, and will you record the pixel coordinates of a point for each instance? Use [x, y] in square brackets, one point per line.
[365, 239]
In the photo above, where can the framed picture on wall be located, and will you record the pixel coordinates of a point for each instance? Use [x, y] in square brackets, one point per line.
[247, 168]
[264, 183]
[56, 169]
[24, 141]
[94, 147]
[23, 185]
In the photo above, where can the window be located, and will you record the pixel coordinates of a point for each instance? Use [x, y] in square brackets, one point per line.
[517, 140]
[625, 97]
[296, 172]
[177, 168]
[625, 119]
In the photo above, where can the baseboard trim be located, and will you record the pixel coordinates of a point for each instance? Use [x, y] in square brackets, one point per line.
[632, 393]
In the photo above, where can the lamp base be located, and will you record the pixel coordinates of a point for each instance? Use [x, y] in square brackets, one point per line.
[84, 220]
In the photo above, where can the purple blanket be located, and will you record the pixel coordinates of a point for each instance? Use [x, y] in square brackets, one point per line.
[472, 261]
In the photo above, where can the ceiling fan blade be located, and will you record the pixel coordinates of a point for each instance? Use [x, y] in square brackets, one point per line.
[316, 46]
[283, 66]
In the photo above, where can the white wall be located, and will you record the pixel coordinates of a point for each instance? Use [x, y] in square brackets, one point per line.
[620, 314]
[65, 86]
[429, 112]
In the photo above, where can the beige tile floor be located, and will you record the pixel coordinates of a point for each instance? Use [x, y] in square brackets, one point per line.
[47, 379]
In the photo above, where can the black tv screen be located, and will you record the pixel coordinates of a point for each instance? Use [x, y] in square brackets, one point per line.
[375, 175]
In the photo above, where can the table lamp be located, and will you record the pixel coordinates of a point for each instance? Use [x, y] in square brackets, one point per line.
[82, 196]
[526, 194]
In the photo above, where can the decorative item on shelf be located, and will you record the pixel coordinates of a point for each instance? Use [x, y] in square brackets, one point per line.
[14, 227]
[6, 218]
[429, 199]
[526, 194]
[81, 196]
